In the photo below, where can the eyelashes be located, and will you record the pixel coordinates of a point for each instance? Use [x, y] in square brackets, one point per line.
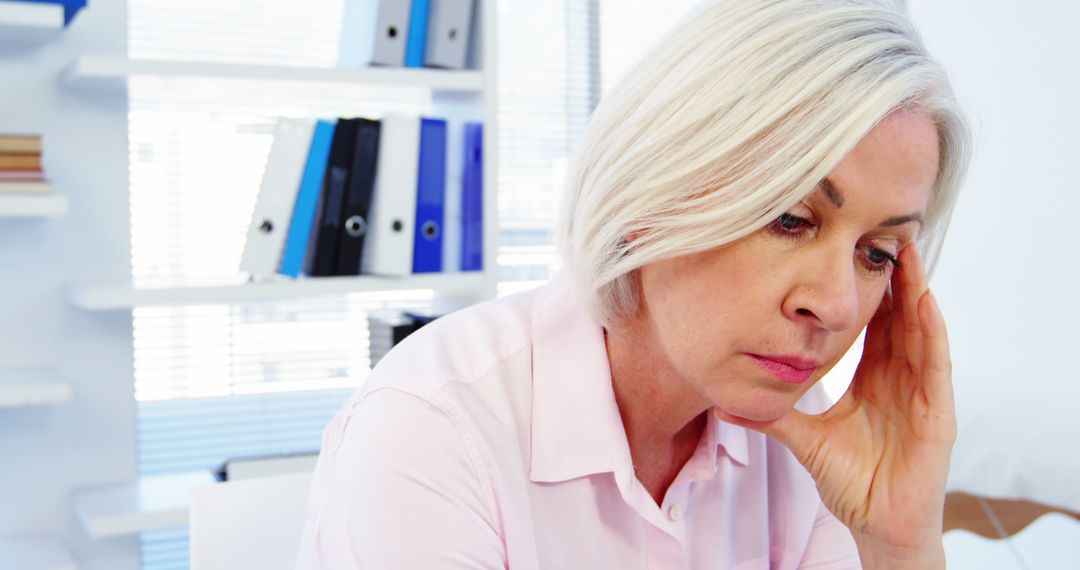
[794, 227]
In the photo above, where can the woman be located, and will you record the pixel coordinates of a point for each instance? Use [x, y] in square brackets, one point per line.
[748, 200]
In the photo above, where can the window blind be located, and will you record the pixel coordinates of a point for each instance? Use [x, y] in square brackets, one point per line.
[245, 379]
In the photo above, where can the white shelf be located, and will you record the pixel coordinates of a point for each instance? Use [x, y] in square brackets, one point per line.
[34, 553]
[31, 206]
[125, 296]
[32, 387]
[95, 71]
[28, 24]
[149, 503]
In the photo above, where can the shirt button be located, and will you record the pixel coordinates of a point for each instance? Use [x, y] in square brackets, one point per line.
[675, 513]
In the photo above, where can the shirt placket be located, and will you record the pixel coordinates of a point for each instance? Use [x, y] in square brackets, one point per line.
[666, 548]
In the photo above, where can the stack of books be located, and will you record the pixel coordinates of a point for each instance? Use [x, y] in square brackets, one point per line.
[392, 197]
[20, 166]
[388, 328]
[406, 33]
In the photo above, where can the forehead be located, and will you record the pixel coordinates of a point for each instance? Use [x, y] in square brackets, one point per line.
[894, 167]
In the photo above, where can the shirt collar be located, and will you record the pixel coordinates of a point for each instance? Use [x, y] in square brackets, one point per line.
[576, 426]
[728, 438]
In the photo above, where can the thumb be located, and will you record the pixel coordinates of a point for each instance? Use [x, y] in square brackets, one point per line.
[798, 432]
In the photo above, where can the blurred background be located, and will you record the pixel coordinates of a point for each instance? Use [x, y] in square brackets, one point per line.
[137, 359]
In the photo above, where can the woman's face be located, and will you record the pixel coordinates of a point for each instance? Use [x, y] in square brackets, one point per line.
[800, 290]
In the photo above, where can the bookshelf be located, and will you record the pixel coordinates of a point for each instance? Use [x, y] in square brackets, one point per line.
[148, 503]
[33, 387]
[457, 94]
[97, 80]
[104, 72]
[35, 552]
[26, 24]
[75, 423]
[121, 296]
[21, 206]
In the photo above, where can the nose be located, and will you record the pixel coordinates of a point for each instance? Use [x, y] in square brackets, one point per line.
[825, 293]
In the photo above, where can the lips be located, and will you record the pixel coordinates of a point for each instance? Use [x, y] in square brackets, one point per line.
[791, 369]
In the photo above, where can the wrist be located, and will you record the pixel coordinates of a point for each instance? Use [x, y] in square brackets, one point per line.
[876, 555]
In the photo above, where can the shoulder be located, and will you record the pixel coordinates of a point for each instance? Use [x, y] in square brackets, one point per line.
[459, 348]
[472, 369]
[394, 473]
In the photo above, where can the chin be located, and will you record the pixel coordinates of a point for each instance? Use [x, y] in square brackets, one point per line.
[761, 409]
[758, 415]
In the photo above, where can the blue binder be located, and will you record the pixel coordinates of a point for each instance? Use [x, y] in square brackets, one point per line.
[296, 243]
[430, 197]
[416, 45]
[472, 199]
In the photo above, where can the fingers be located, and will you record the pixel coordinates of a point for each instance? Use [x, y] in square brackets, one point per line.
[909, 284]
[937, 366]
[877, 342]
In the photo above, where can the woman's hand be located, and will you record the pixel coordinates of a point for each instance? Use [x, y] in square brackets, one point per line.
[880, 456]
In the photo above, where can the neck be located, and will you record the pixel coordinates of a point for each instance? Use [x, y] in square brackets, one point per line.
[661, 411]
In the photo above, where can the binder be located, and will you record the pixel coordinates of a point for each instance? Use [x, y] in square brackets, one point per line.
[388, 249]
[354, 225]
[449, 31]
[374, 32]
[415, 47]
[277, 195]
[472, 202]
[430, 197]
[324, 253]
[307, 199]
[452, 221]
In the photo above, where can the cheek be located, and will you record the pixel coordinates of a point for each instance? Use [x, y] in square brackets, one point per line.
[678, 316]
[695, 314]
[870, 300]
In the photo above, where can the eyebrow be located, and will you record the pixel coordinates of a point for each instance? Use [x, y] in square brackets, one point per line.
[837, 198]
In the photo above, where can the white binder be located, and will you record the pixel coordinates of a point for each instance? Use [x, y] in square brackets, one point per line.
[374, 32]
[388, 247]
[452, 221]
[277, 196]
[449, 30]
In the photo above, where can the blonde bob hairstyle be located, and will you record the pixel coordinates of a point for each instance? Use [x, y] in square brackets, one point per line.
[733, 118]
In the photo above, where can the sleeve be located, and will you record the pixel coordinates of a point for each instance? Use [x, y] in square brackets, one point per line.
[397, 485]
[831, 546]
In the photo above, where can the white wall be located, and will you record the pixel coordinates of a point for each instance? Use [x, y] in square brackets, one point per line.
[47, 452]
[1007, 282]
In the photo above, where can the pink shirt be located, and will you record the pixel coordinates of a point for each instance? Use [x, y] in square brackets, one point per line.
[491, 439]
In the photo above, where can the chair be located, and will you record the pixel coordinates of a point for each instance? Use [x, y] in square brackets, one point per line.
[250, 523]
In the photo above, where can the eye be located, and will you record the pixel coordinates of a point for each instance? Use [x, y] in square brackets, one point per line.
[790, 225]
[878, 260]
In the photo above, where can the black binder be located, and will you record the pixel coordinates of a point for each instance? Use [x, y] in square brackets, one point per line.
[332, 204]
[354, 224]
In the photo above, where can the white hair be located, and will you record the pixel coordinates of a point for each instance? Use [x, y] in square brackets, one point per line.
[736, 115]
